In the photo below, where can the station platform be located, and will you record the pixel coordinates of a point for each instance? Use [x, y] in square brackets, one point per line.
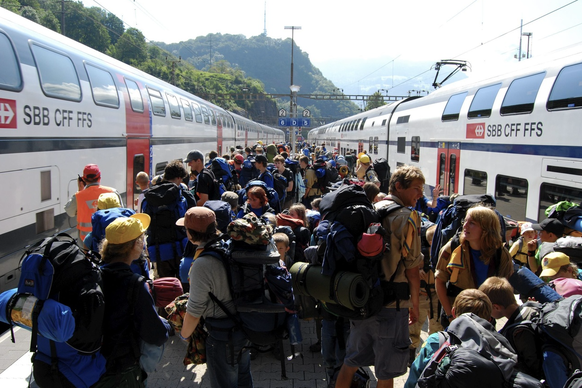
[302, 372]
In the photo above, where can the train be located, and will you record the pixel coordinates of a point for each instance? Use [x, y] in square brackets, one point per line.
[514, 135]
[63, 106]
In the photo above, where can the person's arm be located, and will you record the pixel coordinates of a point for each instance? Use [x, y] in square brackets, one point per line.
[441, 290]
[189, 325]
[71, 206]
[203, 199]
[413, 276]
[435, 195]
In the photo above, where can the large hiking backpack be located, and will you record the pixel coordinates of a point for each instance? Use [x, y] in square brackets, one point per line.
[471, 354]
[101, 219]
[556, 325]
[280, 183]
[58, 281]
[570, 246]
[223, 173]
[383, 170]
[451, 221]
[248, 172]
[323, 175]
[349, 278]
[260, 289]
[165, 204]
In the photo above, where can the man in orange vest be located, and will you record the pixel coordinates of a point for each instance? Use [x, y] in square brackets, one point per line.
[84, 202]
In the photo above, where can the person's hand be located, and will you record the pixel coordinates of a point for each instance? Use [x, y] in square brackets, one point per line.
[423, 275]
[436, 191]
[413, 314]
[532, 245]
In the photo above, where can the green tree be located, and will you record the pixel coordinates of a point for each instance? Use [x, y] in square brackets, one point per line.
[49, 20]
[30, 13]
[84, 25]
[131, 47]
[375, 101]
[113, 24]
[11, 5]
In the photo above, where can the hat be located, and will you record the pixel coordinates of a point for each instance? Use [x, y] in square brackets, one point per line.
[108, 201]
[250, 230]
[239, 159]
[91, 171]
[258, 148]
[231, 197]
[552, 263]
[364, 159]
[526, 227]
[125, 229]
[261, 159]
[194, 155]
[550, 225]
[198, 219]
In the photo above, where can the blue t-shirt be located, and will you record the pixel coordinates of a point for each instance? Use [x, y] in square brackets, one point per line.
[481, 269]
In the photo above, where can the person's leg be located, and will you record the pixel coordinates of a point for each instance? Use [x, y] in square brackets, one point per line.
[220, 370]
[345, 376]
[328, 346]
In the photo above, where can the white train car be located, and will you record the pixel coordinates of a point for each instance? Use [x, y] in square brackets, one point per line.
[64, 105]
[514, 135]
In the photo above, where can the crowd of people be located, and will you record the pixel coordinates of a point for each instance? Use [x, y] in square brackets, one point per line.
[180, 213]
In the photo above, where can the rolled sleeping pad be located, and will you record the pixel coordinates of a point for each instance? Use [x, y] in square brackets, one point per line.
[55, 321]
[529, 285]
[349, 289]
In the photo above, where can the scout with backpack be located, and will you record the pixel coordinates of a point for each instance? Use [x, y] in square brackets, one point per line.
[472, 354]
[223, 174]
[260, 289]
[60, 299]
[353, 242]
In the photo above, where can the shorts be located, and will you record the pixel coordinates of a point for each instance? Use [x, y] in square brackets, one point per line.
[383, 341]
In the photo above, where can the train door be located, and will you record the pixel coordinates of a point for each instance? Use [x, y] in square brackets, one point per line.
[139, 132]
[448, 166]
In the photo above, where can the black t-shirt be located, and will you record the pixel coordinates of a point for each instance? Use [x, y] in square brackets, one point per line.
[205, 184]
[288, 174]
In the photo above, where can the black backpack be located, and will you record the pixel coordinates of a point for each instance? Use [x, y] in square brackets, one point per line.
[280, 183]
[261, 292]
[383, 170]
[165, 204]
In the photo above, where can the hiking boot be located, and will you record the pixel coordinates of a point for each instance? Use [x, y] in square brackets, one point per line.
[315, 348]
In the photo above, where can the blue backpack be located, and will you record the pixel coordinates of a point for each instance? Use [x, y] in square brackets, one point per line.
[57, 272]
[248, 173]
[101, 219]
[271, 195]
[223, 173]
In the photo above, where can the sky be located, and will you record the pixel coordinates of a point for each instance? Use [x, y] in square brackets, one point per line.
[370, 43]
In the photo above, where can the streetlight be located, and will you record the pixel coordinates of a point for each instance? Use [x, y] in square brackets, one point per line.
[293, 114]
[292, 28]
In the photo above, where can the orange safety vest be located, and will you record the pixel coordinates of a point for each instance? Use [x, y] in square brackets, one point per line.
[87, 205]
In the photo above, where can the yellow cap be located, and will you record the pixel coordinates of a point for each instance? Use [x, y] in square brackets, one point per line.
[365, 159]
[108, 201]
[125, 229]
[552, 262]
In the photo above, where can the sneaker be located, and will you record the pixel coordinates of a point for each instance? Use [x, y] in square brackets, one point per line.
[315, 348]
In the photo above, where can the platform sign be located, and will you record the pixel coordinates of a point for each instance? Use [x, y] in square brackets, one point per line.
[306, 113]
[294, 122]
[282, 113]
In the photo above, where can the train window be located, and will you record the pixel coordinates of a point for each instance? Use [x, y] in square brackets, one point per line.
[187, 110]
[442, 164]
[213, 116]
[58, 76]
[551, 194]
[158, 106]
[567, 90]
[10, 77]
[102, 86]
[205, 114]
[376, 145]
[383, 122]
[371, 145]
[160, 167]
[475, 182]
[357, 125]
[453, 107]
[521, 94]
[452, 173]
[483, 101]
[197, 112]
[362, 124]
[401, 146]
[511, 196]
[134, 96]
[174, 106]
[415, 148]
[403, 119]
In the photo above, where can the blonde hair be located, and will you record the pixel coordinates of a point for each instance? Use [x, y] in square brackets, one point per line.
[116, 252]
[281, 238]
[491, 238]
[405, 175]
[473, 301]
[499, 291]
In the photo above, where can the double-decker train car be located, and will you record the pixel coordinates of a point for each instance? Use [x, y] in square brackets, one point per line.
[64, 105]
[514, 135]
